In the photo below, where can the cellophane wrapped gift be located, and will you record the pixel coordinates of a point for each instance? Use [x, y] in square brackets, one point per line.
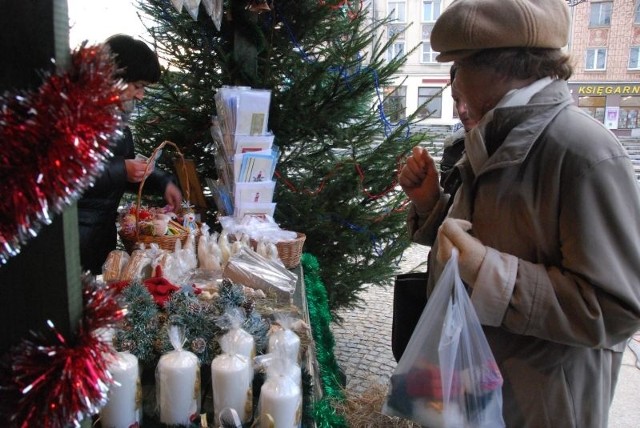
[280, 403]
[253, 270]
[231, 380]
[178, 382]
[282, 337]
[447, 376]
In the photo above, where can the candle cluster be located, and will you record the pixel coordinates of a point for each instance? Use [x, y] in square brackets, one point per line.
[178, 395]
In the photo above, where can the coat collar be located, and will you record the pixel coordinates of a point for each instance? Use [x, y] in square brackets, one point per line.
[514, 131]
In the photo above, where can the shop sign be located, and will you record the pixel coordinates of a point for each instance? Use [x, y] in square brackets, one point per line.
[633, 89]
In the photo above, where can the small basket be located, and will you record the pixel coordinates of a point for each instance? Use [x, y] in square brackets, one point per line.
[291, 251]
[165, 242]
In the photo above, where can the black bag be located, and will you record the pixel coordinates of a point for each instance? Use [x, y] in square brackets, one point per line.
[409, 299]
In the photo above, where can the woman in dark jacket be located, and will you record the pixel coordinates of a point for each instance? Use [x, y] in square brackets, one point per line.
[138, 66]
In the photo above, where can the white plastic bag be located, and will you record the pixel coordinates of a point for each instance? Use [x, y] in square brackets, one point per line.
[447, 376]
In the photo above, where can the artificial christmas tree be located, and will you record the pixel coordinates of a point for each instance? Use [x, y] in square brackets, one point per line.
[324, 62]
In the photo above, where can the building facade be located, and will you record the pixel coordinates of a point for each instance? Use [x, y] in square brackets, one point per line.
[422, 83]
[604, 45]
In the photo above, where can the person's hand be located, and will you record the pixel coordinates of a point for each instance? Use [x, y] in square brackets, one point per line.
[173, 196]
[419, 180]
[454, 233]
[136, 170]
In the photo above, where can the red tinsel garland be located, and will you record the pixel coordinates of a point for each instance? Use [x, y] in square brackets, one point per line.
[50, 382]
[53, 143]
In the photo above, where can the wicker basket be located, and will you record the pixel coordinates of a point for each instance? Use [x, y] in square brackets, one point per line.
[291, 251]
[166, 242]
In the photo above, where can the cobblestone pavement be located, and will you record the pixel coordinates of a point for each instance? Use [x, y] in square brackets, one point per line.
[363, 347]
[363, 341]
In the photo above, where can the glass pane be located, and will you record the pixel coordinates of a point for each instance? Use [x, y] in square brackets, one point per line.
[430, 10]
[602, 57]
[590, 59]
[397, 10]
[433, 108]
[630, 102]
[394, 29]
[633, 57]
[395, 103]
[600, 14]
[592, 101]
[426, 31]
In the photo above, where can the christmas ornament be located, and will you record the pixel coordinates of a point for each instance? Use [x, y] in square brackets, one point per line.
[53, 143]
[192, 7]
[177, 4]
[258, 6]
[214, 9]
[49, 381]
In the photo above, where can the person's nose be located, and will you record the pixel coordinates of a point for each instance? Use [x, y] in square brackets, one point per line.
[462, 109]
[139, 93]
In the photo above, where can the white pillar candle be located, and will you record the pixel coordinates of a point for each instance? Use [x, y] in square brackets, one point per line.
[124, 405]
[231, 384]
[287, 342]
[241, 342]
[178, 387]
[280, 403]
[295, 373]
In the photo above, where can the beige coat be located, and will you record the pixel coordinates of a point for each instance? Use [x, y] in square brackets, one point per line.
[558, 206]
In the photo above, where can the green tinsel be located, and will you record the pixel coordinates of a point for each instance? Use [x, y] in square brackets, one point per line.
[325, 414]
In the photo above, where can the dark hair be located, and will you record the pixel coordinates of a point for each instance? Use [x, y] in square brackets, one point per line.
[452, 72]
[523, 63]
[134, 58]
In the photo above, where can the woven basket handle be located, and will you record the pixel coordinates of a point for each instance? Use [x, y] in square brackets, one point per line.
[146, 172]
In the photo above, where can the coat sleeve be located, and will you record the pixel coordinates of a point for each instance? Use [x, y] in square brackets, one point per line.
[158, 181]
[424, 229]
[592, 296]
[113, 176]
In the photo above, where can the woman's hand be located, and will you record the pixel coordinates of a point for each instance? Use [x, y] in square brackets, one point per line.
[419, 180]
[136, 170]
[455, 233]
[173, 196]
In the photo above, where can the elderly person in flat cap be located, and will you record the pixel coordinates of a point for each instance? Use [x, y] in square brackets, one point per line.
[547, 219]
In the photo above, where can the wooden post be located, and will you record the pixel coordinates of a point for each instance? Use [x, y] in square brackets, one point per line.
[43, 281]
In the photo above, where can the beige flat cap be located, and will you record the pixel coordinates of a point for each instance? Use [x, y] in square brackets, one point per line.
[467, 26]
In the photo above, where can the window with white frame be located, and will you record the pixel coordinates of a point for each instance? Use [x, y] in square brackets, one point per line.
[600, 15]
[430, 10]
[397, 10]
[395, 102]
[395, 50]
[396, 30]
[634, 58]
[636, 16]
[432, 96]
[428, 54]
[596, 59]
